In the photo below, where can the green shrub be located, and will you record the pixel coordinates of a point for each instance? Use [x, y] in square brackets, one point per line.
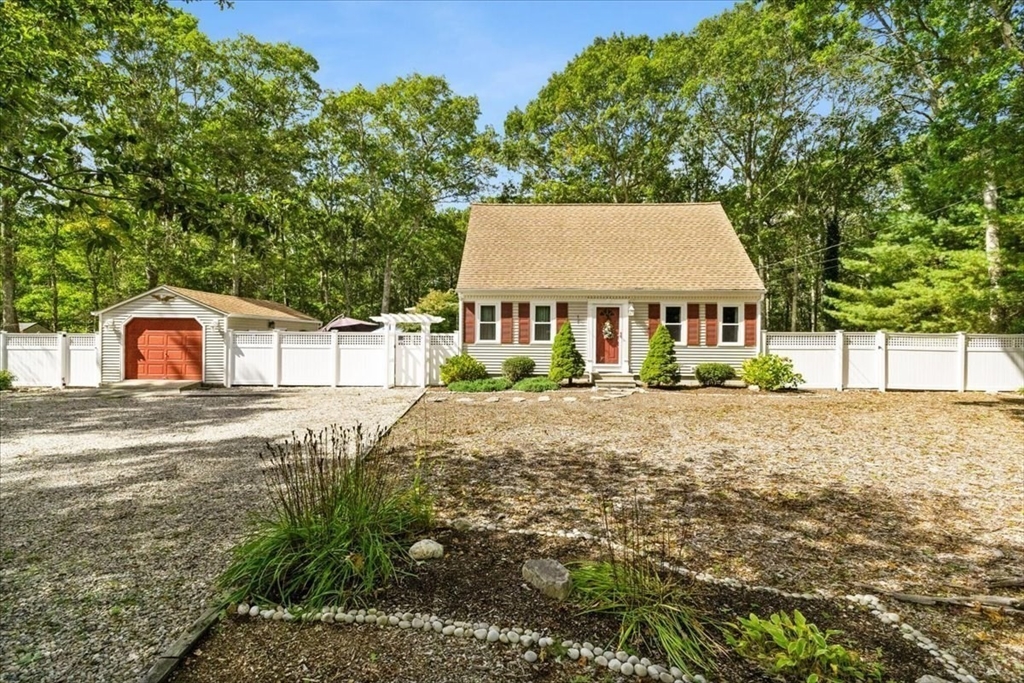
[517, 368]
[6, 380]
[536, 384]
[770, 372]
[461, 368]
[714, 374]
[566, 361]
[1021, 391]
[480, 385]
[342, 511]
[660, 368]
[655, 610]
[797, 650]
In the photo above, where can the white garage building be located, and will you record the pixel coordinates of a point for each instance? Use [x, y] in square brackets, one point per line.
[176, 333]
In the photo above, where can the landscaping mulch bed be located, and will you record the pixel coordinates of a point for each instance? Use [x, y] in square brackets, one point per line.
[479, 580]
[849, 492]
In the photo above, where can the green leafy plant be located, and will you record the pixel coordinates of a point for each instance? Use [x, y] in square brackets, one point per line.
[342, 509]
[771, 373]
[517, 368]
[660, 368]
[566, 361]
[714, 374]
[1021, 391]
[7, 379]
[654, 608]
[797, 650]
[480, 385]
[535, 384]
[442, 304]
[461, 368]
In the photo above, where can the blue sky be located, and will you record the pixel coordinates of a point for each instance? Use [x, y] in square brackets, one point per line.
[502, 52]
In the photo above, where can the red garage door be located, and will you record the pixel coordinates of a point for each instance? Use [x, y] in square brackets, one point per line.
[163, 348]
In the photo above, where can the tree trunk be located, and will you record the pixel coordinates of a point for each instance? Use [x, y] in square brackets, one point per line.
[387, 285]
[794, 306]
[990, 198]
[830, 266]
[236, 270]
[7, 265]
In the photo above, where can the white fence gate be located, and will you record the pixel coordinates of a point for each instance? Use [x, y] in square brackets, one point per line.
[879, 360]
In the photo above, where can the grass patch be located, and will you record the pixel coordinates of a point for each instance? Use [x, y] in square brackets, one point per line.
[480, 385]
[535, 384]
[342, 511]
[654, 609]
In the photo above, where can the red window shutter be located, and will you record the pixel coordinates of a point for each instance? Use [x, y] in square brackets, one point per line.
[524, 323]
[750, 325]
[506, 322]
[693, 324]
[561, 314]
[468, 322]
[653, 319]
[711, 324]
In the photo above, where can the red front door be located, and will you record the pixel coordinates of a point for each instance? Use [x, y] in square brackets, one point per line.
[163, 348]
[608, 335]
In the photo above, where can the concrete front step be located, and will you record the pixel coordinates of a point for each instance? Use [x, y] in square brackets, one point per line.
[608, 380]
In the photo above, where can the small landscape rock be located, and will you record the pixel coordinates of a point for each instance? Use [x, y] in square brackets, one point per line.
[530, 656]
[461, 524]
[569, 399]
[243, 609]
[491, 399]
[573, 653]
[254, 611]
[518, 399]
[404, 624]
[480, 633]
[426, 549]
[927, 678]
[464, 400]
[640, 670]
[627, 669]
[544, 398]
[666, 677]
[548, 576]
[600, 660]
[615, 665]
[493, 636]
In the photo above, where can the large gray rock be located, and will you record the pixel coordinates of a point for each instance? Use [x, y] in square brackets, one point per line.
[426, 549]
[549, 577]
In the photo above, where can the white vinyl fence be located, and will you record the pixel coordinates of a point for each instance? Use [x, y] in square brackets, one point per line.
[337, 359]
[879, 360]
[51, 360]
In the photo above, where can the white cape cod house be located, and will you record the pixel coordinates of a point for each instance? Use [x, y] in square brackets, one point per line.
[614, 272]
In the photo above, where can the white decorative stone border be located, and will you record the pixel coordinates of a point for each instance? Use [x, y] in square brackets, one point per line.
[617, 661]
[871, 602]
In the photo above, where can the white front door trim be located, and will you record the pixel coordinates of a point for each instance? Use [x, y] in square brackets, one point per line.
[591, 356]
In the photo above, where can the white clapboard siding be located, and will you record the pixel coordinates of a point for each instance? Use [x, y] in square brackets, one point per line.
[112, 331]
[688, 357]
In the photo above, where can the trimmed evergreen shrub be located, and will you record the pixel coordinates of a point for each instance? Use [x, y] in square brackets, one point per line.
[517, 368]
[6, 380]
[461, 368]
[480, 385]
[535, 384]
[566, 361]
[771, 373]
[660, 368]
[714, 374]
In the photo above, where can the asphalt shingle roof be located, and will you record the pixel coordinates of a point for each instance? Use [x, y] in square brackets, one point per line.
[239, 305]
[594, 247]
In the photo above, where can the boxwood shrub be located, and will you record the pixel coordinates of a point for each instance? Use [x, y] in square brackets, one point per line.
[714, 374]
[462, 368]
[517, 368]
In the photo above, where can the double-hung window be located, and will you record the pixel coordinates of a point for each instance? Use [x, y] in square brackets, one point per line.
[731, 324]
[674, 322]
[488, 323]
[543, 321]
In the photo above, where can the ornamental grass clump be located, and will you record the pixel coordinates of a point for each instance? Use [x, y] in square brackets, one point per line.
[655, 608]
[342, 509]
[796, 650]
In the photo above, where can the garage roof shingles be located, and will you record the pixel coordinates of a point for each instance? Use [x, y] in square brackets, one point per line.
[596, 247]
[242, 306]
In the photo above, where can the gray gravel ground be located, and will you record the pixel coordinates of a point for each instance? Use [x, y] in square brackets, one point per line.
[116, 512]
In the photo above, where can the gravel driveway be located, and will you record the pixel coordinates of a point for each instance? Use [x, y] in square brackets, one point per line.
[116, 512]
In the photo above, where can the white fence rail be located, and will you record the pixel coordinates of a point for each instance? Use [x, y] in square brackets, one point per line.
[880, 360]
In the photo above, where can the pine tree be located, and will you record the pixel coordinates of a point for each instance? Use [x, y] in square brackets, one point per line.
[566, 361]
[660, 368]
